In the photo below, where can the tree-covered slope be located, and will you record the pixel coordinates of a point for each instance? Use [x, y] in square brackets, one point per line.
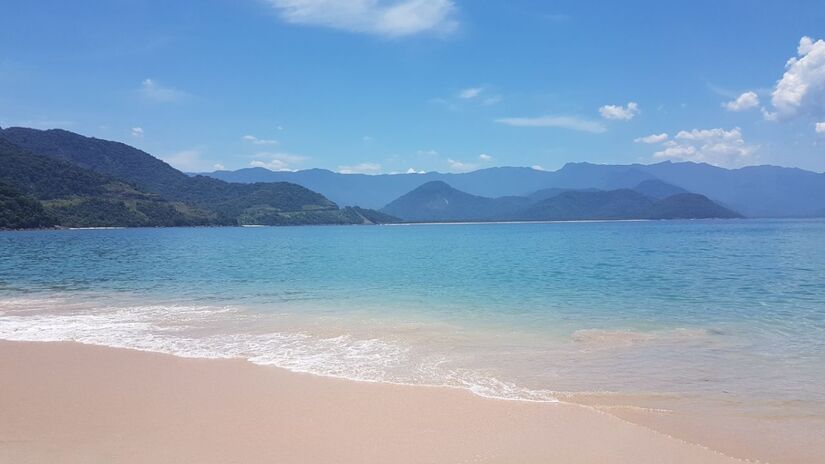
[90, 167]
[141, 169]
[75, 197]
[18, 211]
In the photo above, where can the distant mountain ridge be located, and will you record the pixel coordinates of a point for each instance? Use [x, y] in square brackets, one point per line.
[437, 201]
[755, 191]
[56, 177]
[84, 181]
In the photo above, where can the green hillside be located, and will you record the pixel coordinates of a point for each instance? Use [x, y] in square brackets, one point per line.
[76, 197]
[84, 182]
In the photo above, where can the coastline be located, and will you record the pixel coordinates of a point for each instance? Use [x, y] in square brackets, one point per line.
[80, 403]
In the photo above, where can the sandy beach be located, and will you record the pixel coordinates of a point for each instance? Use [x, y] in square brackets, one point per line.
[72, 403]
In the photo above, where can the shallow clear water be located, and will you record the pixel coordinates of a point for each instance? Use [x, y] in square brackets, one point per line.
[727, 311]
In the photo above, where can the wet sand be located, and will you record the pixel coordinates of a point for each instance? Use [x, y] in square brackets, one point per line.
[72, 403]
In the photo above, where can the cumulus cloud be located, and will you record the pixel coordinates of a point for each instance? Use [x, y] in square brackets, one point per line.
[713, 146]
[801, 90]
[564, 122]
[361, 168]
[537, 167]
[744, 102]
[414, 171]
[277, 161]
[820, 127]
[152, 91]
[137, 132]
[485, 157]
[256, 141]
[618, 112]
[653, 138]
[219, 167]
[386, 18]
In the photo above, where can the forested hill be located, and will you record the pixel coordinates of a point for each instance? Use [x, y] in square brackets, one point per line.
[82, 181]
[71, 196]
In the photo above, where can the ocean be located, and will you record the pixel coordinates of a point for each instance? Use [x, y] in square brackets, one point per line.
[728, 314]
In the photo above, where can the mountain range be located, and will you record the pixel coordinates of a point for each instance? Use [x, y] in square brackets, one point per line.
[59, 178]
[437, 201]
[79, 181]
[754, 191]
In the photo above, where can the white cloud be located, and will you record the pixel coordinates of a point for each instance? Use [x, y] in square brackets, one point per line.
[361, 168]
[653, 138]
[387, 18]
[801, 90]
[564, 122]
[470, 93]
[151, 90]
[277, 161]
[478, 95]
[537, 167]
[189, 160]
[456, 165]
[137, 132]
[820, 127]
[769, 115]
[714, 146]
[618, 112]
[219, 167]
[743, 102]
[256, 141]
[485, 157]
[413, 171]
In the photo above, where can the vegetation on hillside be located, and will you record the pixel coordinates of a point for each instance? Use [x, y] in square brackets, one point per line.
[87, 182]
[18, 211]
[74, 197]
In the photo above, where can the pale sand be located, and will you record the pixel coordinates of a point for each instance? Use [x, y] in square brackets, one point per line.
[71, 403]
[788, 436]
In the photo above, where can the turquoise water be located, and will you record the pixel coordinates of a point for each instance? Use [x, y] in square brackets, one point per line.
[731, 311]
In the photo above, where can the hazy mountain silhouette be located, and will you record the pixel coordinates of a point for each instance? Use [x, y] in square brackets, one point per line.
[757, 191]
[437, 201]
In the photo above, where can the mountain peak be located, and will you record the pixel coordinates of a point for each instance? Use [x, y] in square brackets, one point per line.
[434, 186]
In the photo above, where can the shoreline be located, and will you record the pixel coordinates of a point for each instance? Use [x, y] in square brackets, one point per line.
[398, 224]
[81, 403]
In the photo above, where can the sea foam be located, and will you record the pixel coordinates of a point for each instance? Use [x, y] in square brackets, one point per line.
[198, 331]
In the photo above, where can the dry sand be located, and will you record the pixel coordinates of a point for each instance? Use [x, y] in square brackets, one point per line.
[72, 403]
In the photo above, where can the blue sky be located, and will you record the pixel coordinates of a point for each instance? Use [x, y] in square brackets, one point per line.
[450, 85]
